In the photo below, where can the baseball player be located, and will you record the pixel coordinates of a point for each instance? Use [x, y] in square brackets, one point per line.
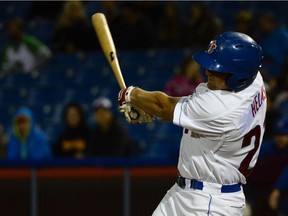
[223, 126]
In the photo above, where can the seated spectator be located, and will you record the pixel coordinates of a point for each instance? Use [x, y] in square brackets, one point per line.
[152, 10]
[244, 22]
[3, 141]
[133, 30]
[46, 10]
[171, 27]
[25, 140]
[272, 113]
[109, 138]
[274, 42]
[111, 10]
[278, 146]
[73, 141]
[278, 198]
[186, 81]
[201, 26]
[281, 103]
[24, 53]
[74, 31]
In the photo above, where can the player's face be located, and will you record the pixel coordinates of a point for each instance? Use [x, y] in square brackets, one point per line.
[216, 80]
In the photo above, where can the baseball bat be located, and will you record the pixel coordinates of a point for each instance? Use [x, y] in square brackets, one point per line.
[107, 44]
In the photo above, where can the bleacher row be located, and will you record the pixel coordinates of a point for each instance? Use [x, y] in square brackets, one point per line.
[84, 77]
[43, 29]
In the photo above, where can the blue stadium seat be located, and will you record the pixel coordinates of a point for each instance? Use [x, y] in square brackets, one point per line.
[81, 95]
[46, 96]
[65, 61]
[41, 29]
[10, 9]
[164, 141]
[96, 60]
[57, 76]
[14, 96]
[91, 77]
[133, 59]
[5, 117]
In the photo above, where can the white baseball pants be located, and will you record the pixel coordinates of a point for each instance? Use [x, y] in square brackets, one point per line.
[209, 202]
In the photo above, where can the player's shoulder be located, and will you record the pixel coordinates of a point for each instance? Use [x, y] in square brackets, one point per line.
[211, 104]
[207, 103]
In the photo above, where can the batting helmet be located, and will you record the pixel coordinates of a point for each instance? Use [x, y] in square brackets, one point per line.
[234, 53]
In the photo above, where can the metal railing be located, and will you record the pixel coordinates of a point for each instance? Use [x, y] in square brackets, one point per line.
[124, 164]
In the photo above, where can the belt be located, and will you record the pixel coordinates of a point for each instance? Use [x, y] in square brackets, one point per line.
[199, 185]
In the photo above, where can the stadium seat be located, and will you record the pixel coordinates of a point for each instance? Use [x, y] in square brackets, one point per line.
[41, 29]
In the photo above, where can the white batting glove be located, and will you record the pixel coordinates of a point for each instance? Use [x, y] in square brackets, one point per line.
[134, 114]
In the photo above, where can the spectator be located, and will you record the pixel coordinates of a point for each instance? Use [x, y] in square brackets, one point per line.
[274, 42]
[281, 103]
[244, 22]
[152, 10]
[278, 198]
[186, 81]
[24, 52]
[46, 10]
[201, 26]
[133, 31]
[3, 141]
[171, 26]
[109, 138]
[111, 10]
[272, 113]
[279, 144]
[73, 141]
[74, 30]
[25, 140]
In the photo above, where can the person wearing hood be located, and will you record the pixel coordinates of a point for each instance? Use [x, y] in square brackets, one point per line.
[25, 140]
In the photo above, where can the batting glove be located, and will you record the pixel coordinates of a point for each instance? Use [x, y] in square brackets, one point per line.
[134, 114]
[124, 95]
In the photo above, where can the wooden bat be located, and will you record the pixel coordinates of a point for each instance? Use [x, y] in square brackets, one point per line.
[107, 44]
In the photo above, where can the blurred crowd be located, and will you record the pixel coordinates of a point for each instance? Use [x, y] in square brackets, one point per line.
[135, 26]
[104, 137]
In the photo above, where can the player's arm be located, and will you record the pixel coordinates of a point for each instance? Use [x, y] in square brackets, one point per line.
[155, 103]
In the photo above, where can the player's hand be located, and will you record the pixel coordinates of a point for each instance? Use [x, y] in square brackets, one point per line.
[134, 114]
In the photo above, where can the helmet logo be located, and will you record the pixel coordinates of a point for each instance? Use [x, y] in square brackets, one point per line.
[212, 46]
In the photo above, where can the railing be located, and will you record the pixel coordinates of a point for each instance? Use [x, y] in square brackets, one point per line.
[121, 169]
[106, 186]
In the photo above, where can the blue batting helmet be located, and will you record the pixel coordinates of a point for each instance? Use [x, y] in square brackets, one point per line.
[234, 53]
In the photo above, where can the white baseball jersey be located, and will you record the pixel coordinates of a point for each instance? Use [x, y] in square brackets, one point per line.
[222, 133]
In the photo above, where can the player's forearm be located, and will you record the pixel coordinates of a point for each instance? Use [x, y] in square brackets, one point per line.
[155, 103]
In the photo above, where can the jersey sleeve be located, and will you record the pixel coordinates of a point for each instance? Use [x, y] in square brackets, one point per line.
[203, 112]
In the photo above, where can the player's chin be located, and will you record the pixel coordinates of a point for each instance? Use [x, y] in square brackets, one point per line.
[211, 86]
